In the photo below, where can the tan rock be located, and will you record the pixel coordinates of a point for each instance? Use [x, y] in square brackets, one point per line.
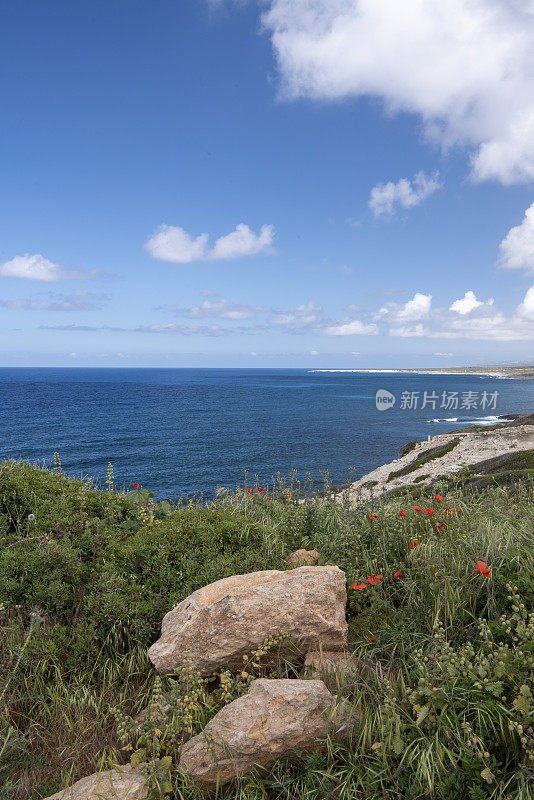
[303, 558]
[121, 783]
[220, 623]
[275, 718]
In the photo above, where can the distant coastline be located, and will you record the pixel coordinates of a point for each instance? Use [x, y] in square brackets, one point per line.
[495, 372]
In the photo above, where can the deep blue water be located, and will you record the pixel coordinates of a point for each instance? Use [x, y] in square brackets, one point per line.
[179, 431]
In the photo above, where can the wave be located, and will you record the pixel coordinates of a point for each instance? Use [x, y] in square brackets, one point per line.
[491, 419]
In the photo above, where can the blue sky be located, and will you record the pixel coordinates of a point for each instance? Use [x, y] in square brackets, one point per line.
[312, 183]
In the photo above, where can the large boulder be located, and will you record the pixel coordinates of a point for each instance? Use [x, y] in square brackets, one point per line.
[274, 718]
[220, 623]
[121, 783]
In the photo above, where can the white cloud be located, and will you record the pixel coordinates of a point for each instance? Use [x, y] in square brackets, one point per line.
[444, 355]
[305, 314]
[517, 248]
[314, 352]
[404, 331]
[416, 308]
[174, 244]
[32, 268]
[464, 66]
[76, 301]
[468, 303]
[481, 323]
[243, 242]
[526, 308]
[385, 196]
[354, 328]
[216, 306]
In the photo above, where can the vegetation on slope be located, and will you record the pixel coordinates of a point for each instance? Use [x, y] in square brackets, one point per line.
[429, 455]
[446, 646]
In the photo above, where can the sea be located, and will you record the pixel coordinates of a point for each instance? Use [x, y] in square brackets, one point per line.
[182, 432]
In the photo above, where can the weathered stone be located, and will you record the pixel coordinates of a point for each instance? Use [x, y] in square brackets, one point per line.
[121, 783]
[336, 669]
[220, 623]
[303, 558]
[275, 718]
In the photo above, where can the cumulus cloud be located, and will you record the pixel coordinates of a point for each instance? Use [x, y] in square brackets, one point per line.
[354, 328]
[416, 308]
[517, 248]
[468, 303]
[172, 243]
[481, 322]
[526, 308]
[385, 197]
[466, 67]
[33, 268]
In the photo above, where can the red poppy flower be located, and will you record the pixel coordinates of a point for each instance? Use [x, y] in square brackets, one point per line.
[135, 486]
[359, 586]
[373, 516]
[397, 575]
[372, 639]
[429, 512]
[374, 580]
[402, 513]
[438, 498]
[483, 569]
[260, 491]
[413, 544]
[439, 527]
[417, 508]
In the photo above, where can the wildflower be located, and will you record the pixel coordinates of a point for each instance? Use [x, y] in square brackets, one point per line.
[402, 513]
[359, 586]
[135, 486]
[372, 639]
[374, 580]
[439, 527]
[483, 569]
[260, 491]
[31, 517]
[429, 512]
[373, 516]
[397, 574]
[438, 498]
[417, 508]
[413, 544]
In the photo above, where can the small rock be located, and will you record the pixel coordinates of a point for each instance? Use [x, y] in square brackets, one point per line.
[231, 618]
[336, 669]
[303, 558]
[272, 720]
[121, 783]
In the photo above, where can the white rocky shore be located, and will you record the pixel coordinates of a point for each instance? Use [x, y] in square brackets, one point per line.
[461, 449]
